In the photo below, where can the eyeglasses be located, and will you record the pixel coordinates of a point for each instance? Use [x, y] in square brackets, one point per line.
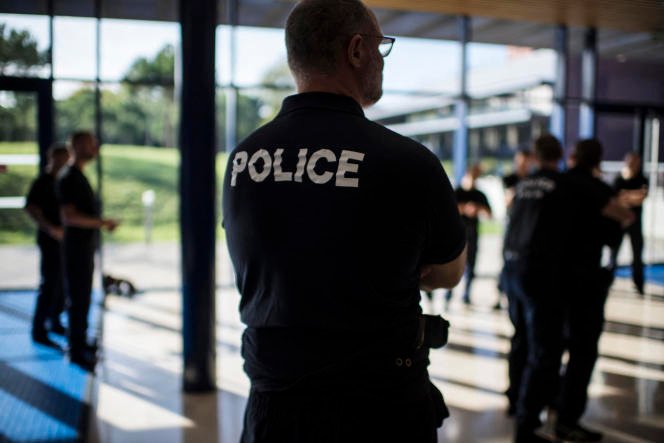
[385, 45]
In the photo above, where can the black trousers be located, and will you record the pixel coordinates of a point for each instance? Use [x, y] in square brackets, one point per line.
[537, 311]
[340, 417]
[472, 237]
[79, 268]
[635, 232]
[584, 318]
[50, 296]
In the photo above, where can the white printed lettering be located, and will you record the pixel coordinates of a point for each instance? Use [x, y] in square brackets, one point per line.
[267, 165]
[345, 166]
[326, 176]
[279, 175]
[301, 163]
[239, 165]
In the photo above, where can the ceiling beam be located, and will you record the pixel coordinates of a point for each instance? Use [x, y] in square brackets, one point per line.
[628, 15]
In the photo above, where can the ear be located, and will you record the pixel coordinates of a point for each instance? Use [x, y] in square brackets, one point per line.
[355, 51]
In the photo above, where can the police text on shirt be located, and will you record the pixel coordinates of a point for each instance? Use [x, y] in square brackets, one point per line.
[318, 166]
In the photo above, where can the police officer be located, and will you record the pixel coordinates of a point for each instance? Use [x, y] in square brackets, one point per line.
[585, 282]
[471, 203]
[42, 207]
[333, 224]
[82, 222]
[632, 189]
[533, 253]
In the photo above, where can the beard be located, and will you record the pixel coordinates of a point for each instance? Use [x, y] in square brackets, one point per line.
[373, 84]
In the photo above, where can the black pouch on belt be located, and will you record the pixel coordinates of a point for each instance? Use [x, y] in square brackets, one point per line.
[432, 332]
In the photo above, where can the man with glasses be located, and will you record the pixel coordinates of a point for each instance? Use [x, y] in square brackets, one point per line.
[333, 224]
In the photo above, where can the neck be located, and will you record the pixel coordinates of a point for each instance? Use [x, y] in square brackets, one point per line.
[549, 166]
[331, 83]
[79, 163]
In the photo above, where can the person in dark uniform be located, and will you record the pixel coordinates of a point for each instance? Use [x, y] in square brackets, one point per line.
[42, 206]
[82, 222]
[471, 204]
[533, 253]
[522, 163]
[333, 224]
[632, 189]
[585, 283]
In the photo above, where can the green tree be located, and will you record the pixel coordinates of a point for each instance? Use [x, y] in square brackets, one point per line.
[19, 54]
[156, 70]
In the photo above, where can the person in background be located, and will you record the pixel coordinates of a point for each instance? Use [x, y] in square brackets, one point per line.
[631, 186]
[591, 205]
[42, 206]
[533, 254]
[472, 203]
[333, 224]
[81, 219]
[522, 164]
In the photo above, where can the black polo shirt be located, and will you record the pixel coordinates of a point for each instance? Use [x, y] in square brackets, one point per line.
[42, 195]
[511, 180]
[74, 188]
[631, 184]
[329, 219]
[538, 225]
[473, 195]
[590, 230]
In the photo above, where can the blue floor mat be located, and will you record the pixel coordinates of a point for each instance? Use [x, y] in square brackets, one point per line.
[654, 274]
[42, 396]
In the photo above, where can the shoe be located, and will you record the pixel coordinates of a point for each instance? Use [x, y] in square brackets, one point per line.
[466, 300]
[639, 289]
[528, 436]
[576, 433]
[497, 306]
[83, 360]
[43, 340]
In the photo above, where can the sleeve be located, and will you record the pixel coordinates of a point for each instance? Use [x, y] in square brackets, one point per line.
[484, 200]
[35, 194]
[445, 232]
[602, 195]
[66, 191]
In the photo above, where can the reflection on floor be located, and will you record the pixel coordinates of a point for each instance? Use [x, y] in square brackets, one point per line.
[42, 396]
[138, 395]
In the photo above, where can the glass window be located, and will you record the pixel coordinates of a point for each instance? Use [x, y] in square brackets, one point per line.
[74, 107]
[28, 54]
[139, 49]
[260, 53]
[422, 65]
[74, 48]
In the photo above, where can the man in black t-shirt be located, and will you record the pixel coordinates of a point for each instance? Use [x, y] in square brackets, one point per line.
[333, 224]
[522, 163]
[82, 222]
[471, 203]
[632, 188]
[42, 206]
[592, 207]
[533, 253]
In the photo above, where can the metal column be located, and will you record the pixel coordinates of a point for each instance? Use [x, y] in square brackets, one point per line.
[460, 152]
[198, 193]
[232, 92]
[557, 125]
[587, 117]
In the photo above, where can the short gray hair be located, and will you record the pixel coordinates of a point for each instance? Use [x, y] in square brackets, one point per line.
[317, 31]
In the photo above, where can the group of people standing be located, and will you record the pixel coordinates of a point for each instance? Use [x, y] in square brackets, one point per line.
[556, 285]
[65, 209]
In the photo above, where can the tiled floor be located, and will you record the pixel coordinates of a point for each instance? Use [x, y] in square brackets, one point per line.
[138, 396]
[42, 396]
